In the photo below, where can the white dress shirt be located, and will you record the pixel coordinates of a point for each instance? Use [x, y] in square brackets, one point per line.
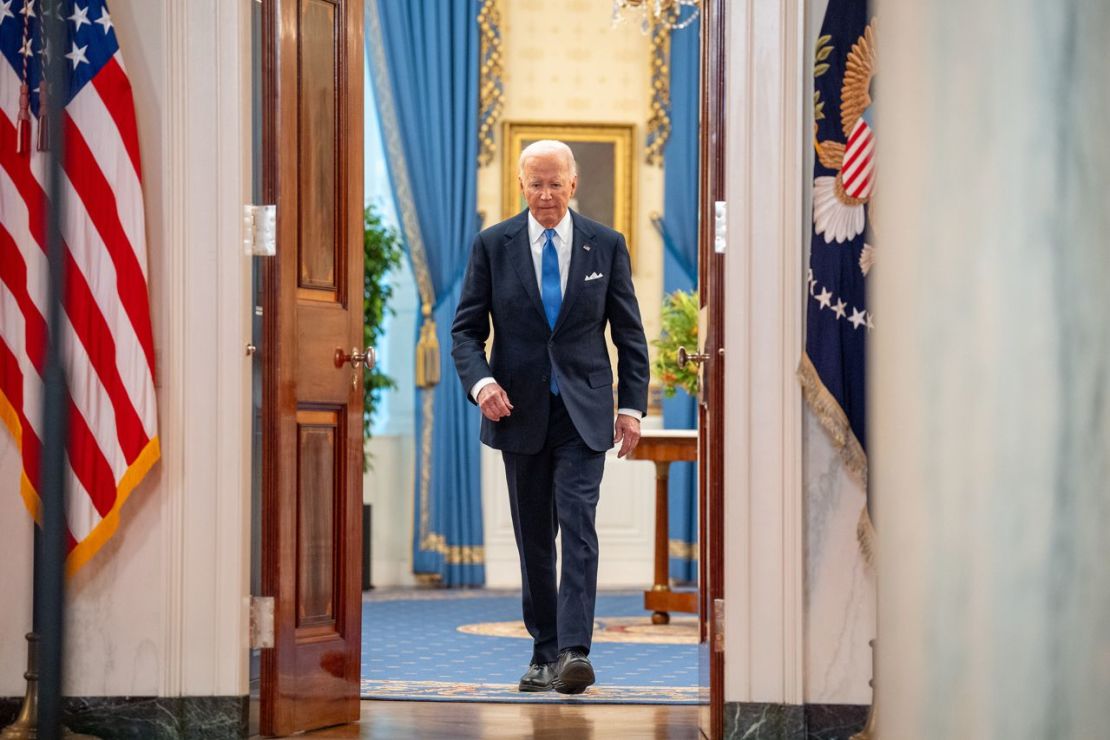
[563, 240]
[537, 240]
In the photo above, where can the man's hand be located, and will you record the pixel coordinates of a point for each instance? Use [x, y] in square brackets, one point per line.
[627, 432]
[494, 402]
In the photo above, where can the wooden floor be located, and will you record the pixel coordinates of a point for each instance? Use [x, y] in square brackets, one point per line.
[428, 720]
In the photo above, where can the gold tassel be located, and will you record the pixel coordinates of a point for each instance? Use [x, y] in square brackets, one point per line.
[23, 120]
[427, 352]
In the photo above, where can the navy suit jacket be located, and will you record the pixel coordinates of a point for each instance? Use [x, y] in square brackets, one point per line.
[500, 283]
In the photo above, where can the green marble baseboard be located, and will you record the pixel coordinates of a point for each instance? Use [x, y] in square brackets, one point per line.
[149, 717]
[762, 721]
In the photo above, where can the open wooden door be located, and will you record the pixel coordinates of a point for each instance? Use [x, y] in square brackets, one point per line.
[312, 387]
[711, 406]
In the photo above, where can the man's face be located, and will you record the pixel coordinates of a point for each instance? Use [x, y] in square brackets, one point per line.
[548, 187]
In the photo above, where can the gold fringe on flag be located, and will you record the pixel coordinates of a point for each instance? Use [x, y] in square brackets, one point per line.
[865, 533]
[835, 422]
[427, 352]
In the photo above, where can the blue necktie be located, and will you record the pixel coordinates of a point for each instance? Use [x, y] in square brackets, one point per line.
[552, 292]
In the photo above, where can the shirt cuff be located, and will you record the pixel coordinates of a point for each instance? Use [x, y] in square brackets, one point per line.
[479, 386]
[634, 413]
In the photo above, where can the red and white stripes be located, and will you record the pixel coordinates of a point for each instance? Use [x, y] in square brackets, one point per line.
[107, 331]
[859, 164]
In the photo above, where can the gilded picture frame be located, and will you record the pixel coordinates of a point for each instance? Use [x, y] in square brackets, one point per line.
[604, 153]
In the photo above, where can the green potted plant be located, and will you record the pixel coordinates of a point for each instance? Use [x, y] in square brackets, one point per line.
[679, 329]
[382, 254]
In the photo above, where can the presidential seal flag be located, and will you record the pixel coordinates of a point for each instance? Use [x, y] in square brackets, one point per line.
[842, 248]
[106, 328]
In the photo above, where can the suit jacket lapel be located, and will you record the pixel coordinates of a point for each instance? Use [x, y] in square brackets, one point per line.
[576, 271]
[520, 254]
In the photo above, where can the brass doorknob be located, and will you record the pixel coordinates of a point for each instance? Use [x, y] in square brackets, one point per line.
[357, 359]
[685, 357]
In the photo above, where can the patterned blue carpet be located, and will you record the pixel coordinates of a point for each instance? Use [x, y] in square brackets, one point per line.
[470, 646]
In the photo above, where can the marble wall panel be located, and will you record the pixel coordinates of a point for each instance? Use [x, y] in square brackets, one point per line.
[839, 584]
[992, 437]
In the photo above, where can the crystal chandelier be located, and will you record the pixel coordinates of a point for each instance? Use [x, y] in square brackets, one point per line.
[654, 12]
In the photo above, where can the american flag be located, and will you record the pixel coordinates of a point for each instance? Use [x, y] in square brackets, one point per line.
[106, 329]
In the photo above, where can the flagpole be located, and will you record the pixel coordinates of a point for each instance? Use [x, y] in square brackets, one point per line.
[46, 643]
[50, 575]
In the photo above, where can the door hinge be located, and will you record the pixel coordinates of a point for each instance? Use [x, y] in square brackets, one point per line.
[720, 226]
[260, 231]
[718, 625]
[261, 621]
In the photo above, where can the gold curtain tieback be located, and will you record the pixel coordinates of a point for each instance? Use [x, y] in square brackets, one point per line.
[427, 352]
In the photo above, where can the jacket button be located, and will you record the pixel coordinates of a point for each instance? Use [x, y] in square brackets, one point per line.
[543, 378]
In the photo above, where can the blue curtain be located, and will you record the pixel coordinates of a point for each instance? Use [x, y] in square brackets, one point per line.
[680, 272]
[424, 60]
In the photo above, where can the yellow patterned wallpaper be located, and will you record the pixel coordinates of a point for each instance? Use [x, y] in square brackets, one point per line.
[564, 62]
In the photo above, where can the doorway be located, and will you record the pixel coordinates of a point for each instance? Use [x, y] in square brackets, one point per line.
[624, 513]
[609, 135]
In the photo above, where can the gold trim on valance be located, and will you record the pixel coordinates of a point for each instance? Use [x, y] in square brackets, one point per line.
[491, 87]
[659, 123]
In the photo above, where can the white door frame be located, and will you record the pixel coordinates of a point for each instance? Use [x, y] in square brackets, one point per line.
[764, 334]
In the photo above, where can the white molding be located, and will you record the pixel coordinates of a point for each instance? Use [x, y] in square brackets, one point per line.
[233, 405]
[737, 514]
[795, 85]
[172, 355]
[206, 384]
[764, 522]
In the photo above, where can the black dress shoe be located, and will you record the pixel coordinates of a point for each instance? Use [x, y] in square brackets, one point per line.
[538, 677]
[573, 672]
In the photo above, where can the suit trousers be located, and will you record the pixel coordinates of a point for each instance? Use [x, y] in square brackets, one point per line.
[557, 488]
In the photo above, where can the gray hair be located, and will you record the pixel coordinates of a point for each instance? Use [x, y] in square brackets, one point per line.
[547, 146]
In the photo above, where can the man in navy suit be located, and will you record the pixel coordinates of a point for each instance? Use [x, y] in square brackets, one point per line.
[550, 280]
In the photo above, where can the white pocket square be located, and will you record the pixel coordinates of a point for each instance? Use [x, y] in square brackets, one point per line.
[594, 276]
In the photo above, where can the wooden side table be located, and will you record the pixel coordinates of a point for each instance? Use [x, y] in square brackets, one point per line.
[662, 447]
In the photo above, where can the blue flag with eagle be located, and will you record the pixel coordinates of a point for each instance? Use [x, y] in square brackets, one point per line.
[842, 252]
